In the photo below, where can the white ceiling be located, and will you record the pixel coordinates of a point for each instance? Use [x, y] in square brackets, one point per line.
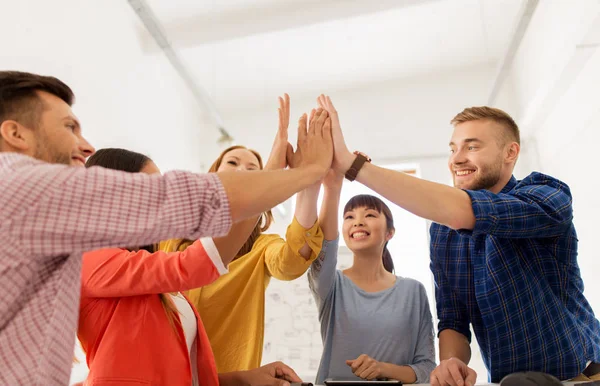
[246, 52]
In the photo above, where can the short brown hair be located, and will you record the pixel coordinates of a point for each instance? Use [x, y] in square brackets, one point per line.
[19, 100]
[492, 114]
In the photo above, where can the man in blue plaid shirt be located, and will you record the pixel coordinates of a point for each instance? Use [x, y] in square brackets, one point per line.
[503, 254]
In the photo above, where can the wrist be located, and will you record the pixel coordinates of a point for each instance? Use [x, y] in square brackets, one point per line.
[314, 171]
[385, 370]
[345, 163]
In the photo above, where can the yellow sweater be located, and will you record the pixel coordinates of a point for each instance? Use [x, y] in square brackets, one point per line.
[233, 307]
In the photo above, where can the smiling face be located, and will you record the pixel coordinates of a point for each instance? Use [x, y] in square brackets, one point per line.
[365, 229]
[481, 157]
[239, 159]
[368, 225]
[59, 138]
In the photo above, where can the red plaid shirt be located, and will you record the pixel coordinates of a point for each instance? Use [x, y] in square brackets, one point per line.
[49, 215]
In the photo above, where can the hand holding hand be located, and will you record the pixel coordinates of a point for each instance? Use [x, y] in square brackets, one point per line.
[453, 372]
[366, 367]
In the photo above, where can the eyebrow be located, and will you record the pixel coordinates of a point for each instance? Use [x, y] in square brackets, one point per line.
[72, 118]
[468, 140]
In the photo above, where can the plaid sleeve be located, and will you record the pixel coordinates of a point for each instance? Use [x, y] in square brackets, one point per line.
[68, 209]
[451, 310]
[539, 206]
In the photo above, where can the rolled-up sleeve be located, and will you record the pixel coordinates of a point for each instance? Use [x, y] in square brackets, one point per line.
[538, 206]
[283, 259]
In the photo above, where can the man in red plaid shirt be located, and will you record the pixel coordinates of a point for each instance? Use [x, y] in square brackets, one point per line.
[50, 213]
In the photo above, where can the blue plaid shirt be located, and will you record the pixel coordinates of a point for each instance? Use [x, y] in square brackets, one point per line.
[515, 278]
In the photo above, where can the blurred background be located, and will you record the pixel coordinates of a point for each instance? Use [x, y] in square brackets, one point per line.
[180, 80]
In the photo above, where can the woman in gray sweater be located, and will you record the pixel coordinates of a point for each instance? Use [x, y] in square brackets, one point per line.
[374, 324]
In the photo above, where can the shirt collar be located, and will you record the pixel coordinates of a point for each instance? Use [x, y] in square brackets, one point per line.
[510, 185]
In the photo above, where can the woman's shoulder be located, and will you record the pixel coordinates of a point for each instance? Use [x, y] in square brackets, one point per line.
[410, 284]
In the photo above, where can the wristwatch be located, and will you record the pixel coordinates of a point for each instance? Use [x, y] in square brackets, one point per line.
[358, 163]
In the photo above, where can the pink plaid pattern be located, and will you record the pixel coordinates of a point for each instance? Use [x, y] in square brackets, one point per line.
[49, 215]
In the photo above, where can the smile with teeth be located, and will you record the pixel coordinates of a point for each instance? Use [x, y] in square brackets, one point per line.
[461, 173]
[359, 235]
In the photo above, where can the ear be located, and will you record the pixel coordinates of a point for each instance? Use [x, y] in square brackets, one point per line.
[512, 152]
[390, 234]
[16, 136]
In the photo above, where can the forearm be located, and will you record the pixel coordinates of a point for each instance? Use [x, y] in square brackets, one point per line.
[229, 246]
[231, 379]
[437, 202]
[306, 212]
[454, 345]
[399, 373]
[251, 193]
[328, 217]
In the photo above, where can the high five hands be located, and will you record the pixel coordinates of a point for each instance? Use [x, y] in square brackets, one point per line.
[320, 140]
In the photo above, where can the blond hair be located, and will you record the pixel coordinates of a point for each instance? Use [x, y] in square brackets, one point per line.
[511, 130]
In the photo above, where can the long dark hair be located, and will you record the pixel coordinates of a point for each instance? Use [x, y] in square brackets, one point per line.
[131, 162]
[372, 202]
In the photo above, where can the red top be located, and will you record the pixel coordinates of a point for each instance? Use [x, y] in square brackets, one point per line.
[123, 327]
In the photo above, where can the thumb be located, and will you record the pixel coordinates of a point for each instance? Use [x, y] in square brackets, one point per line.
[281, 382]
[349, 362]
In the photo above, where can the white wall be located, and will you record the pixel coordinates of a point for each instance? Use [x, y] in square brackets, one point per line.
[554, 82]
[406, 118]
[568, 146]
[124, 98]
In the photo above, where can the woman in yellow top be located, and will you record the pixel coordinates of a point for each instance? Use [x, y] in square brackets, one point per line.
[233, 307]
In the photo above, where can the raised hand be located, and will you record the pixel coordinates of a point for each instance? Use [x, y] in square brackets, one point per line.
[342, 157]
[365, 367]
[317, 146]
[294, 158]
[453, 372]
[281, 146]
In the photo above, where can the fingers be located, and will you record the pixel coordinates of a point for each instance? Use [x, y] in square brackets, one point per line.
[321, 101]
[327, 129]
[315, 126]
[284, 371]
[356, 363]
[471, 377]
[284, 112]
[433, 379]
[320, 123]
[302, 128]
[455, 375]
[289, 154]
[330, 106]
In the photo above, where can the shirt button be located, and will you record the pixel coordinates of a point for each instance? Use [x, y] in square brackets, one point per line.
[308, 234]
